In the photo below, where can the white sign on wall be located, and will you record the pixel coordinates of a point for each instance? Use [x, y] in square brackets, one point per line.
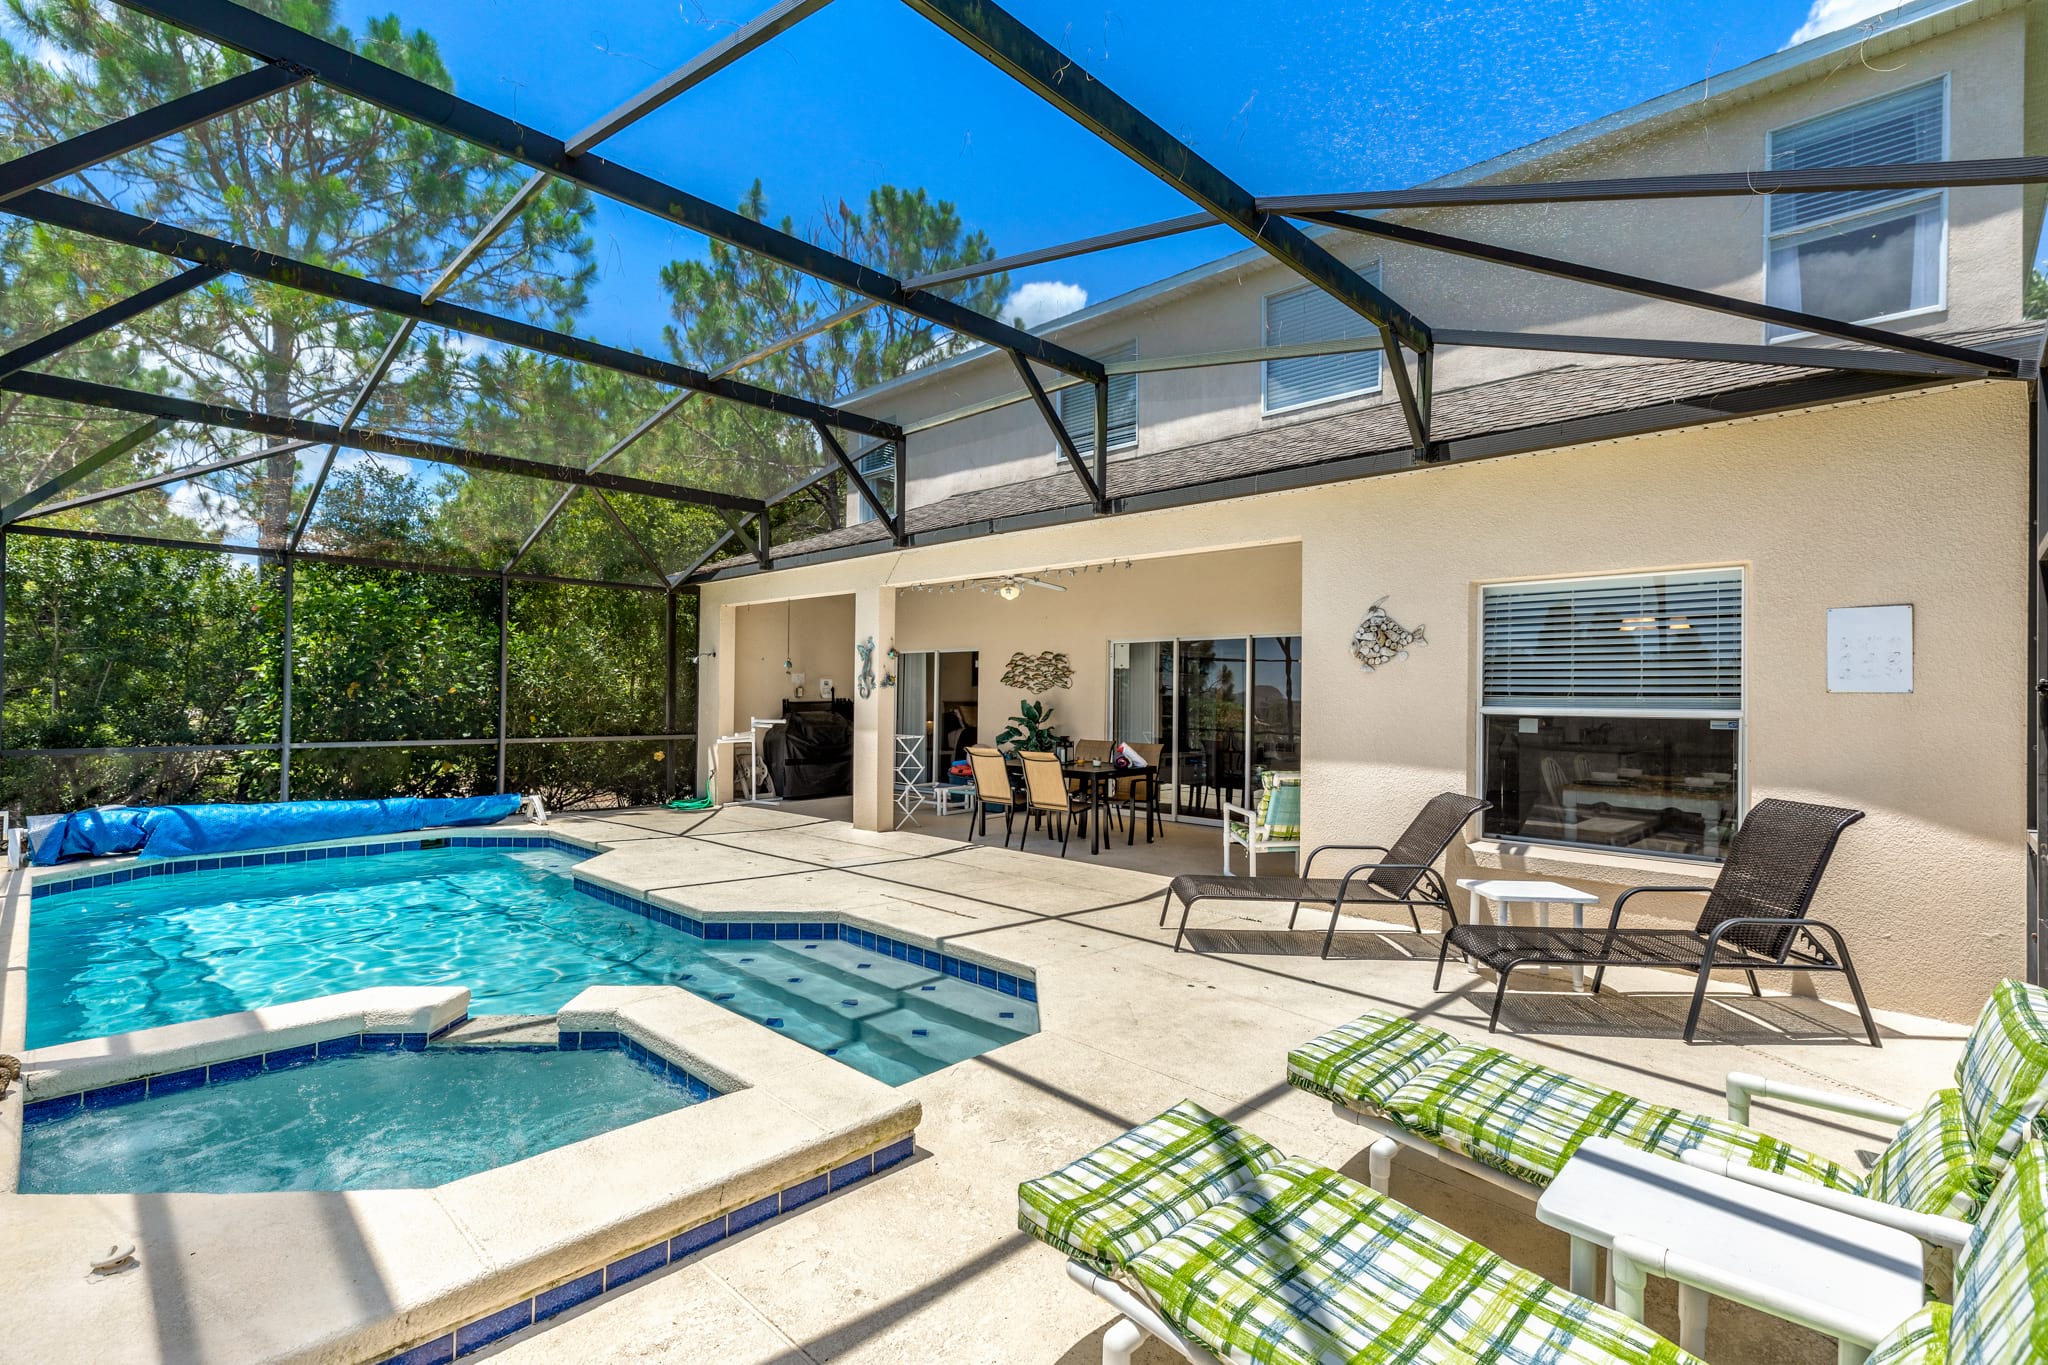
[1870, 649]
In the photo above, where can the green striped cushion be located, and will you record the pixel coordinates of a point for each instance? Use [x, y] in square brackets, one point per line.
[1930, 1166]
[1127, 1194]
[2003, 1072]
[2001, 1311]
[1304, 1267]
[1366, 1060]
[1527, 1120]
[1280, 806]
[1920, 1340]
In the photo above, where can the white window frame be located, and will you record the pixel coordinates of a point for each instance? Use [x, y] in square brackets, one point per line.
[1371, 271]
[862, 514]
[1740, 715]
[1127, 351]
[1773, 334]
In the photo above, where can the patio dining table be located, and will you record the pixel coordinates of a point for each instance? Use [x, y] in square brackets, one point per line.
[1097, 776]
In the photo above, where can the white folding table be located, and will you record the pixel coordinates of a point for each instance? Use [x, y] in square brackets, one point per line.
[1839, 1274]
[1501, 893]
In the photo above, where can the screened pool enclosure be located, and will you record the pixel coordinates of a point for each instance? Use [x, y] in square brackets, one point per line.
[309, 486]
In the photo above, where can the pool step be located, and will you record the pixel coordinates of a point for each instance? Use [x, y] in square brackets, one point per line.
[501, 1030]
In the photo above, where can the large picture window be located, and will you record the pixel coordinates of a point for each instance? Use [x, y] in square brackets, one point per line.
[1077, 408]
[1309, 314]
[1611, 711]
[1861, 255]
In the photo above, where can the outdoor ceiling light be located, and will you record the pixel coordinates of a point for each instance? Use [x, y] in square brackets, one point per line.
[1009, 592]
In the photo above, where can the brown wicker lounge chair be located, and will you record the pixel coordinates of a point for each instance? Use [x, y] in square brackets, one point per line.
[1755, 918]
[1405, 875]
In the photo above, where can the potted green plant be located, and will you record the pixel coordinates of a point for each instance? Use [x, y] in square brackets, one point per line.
[1031, 728]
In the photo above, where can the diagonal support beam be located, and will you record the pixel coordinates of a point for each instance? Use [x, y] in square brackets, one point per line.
[270, 40]
[752, 533]
[1040, 67]
[115, 226]
[1984, 362]
[646, 556]
[299, 429]
[113, 315]
[69, 157]
[392, 350]
[84, 469]
[701, 560]
[1059, 434]
[190, 471]
[862, 486]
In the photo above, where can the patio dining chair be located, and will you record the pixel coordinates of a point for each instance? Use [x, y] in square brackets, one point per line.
[1404, 875]
[992, 791]
[1046, 793]
[1126, 796]
[1755, 918]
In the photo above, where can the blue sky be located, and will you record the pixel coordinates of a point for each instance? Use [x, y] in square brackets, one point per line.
[1287, 98]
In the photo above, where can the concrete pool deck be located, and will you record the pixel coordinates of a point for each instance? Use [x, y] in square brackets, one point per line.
[926, 1263]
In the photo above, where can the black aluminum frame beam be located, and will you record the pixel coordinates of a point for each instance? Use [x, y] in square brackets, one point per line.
[91, 464]
[1909, 175]
[1013, 48]
[862, 486]
[69, 157]
[192, 471]
[752, 533]
[339, 69]
[1984, 362]
[115, 226]
[299, 429]
[639, 548]
[1098, 496]
[113, 315]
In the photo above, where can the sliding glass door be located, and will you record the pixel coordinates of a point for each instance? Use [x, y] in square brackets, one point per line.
[1225, 708]
[936, 712]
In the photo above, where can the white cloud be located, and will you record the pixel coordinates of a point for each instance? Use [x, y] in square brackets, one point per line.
[214, 510]
[1042, 301]
[1826, 16]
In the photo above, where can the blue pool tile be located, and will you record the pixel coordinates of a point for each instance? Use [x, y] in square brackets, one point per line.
[103, 879]
[986, 975]
[899, 1150]
[860, 1168]
[41, 1111]
[336, 1047]
[849, 1002]
[1028, 990]
[413, 1042]
[568, 1040]
[629, 1268]
[696, 1239]
[714, 930]
[785, 930]
[773, 1021]
[286, 1057]
[602, 1040]
[862, 966]
[355, 851]
[383, 1042]
[803, 1192]
[171, 1082]
[316, 855]
[1006, 1014]
[927, 988]
[1006, 983]
[474, 1336]
[295, 856]
[699, 1091]
[234, 1070]
[832, 934]
[920, 1033]
[583, 1288]
[436, 1352]
[124, 876]
[270, 858]
[810, 932]
[752, 1215]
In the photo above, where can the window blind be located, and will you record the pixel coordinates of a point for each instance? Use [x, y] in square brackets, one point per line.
[1906, 127]
[1077, 408]
[878, 466]
[1657, 642]
[1311, 315]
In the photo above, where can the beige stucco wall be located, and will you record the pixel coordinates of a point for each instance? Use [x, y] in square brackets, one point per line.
[814, 635]
[1918, 499]
[1714, 244]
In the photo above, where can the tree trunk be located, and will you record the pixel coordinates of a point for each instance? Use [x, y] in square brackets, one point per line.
[274, 519]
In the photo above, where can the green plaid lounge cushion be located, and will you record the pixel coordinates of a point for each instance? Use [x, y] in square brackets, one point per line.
[1304, 1267]
[1930, 1166]
[2003, 1072]
[1127, 1194]
[2001, 1310]
[1527, 1120]
[1920, 1340]
[1366, 1060]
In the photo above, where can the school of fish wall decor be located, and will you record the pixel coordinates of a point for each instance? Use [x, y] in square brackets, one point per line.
[1038, 672]
[1381, 640]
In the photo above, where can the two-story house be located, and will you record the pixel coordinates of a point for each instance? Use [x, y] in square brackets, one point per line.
[1640, 588]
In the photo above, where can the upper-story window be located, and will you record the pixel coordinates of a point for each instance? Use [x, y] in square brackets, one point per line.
[1861, 255]
[1077, 408]
[878, 467]
[1309, 314]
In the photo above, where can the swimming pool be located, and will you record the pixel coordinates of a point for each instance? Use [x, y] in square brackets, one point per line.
[363, 1121]
[509, 924]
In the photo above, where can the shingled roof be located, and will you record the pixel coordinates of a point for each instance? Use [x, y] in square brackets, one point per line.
[1566, 405]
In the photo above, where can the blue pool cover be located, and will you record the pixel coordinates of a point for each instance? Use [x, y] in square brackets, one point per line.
[178, 831]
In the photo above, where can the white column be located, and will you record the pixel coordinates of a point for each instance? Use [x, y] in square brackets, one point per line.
[874, 716]
[717, 679]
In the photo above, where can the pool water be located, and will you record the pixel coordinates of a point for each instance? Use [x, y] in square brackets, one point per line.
[366, 1121]
[506, 923]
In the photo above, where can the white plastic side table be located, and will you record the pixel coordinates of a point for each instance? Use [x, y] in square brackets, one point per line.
[1819, 1267]
[1501, 894]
